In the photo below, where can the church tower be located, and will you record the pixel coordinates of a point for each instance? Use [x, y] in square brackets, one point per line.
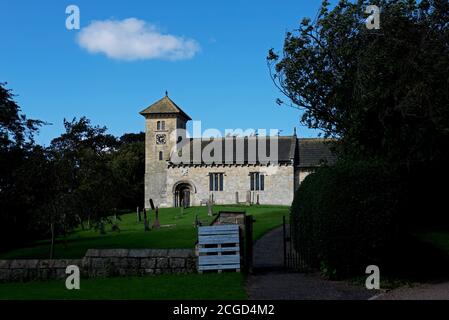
[162, 120]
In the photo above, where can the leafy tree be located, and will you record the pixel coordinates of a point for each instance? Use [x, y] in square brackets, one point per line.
[16, 130]
[129, 138]
[84, 176]
[82, 155]
[128, 165]
[17, 151]
[384, 93]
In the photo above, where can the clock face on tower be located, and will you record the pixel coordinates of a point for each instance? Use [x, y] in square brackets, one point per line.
[161, 139]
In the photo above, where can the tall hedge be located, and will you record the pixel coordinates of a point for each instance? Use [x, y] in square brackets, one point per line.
[344, 217]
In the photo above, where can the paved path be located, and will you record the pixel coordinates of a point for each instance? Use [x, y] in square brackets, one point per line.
[269, 250]
[439, 291]
[270, 281]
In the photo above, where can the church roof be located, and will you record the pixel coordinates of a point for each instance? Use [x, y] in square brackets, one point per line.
[313, 151]
[302, 152]
[164, 106]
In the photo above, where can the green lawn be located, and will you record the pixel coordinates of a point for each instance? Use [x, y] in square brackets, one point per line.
[177, 231]
[225, 286]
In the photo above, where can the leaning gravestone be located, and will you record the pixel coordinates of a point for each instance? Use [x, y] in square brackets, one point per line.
[145, 220]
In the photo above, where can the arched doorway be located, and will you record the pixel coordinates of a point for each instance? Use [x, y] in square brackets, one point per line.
[182, 195]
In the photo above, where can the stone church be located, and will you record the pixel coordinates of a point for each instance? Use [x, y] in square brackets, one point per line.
[183, 171]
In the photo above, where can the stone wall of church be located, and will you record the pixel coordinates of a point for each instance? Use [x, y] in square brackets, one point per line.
[303, 173]
[279, 183]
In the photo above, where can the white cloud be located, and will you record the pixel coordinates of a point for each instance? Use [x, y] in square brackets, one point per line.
[134, 39]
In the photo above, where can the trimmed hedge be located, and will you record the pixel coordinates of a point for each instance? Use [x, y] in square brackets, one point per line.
[343, 217]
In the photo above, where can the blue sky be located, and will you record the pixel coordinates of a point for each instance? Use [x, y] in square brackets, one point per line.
[225, 82]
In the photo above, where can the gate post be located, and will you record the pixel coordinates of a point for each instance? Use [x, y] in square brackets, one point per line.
[248, 251]
[284, 240]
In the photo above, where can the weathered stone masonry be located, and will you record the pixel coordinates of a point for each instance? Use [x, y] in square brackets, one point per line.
[279, 183]
[103, 263]
[181, 177]
[25, 270]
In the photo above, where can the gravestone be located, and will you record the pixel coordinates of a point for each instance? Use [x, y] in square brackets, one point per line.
[248, 198]
[210, 212]
[145, 221]
[156, 224]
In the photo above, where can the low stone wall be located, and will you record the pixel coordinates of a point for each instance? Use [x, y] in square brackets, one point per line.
[123, 262]
[26, 270]
[103, 263]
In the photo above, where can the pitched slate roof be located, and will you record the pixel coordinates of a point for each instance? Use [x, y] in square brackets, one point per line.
[313, 151]
[164, 106]
[245, 150]
[238, 150]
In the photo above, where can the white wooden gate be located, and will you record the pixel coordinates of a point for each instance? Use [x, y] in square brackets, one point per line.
[219, 248]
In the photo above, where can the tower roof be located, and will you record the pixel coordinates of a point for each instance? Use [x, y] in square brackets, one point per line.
[164, 106]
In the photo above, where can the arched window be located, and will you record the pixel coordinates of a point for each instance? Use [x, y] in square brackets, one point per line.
[161, 156]
[158, 125]
[162, 125]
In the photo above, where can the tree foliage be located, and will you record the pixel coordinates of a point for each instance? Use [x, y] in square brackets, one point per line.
[128, 167]
[81, 179]
[19, 183]
[16, 130]
[384, 93]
